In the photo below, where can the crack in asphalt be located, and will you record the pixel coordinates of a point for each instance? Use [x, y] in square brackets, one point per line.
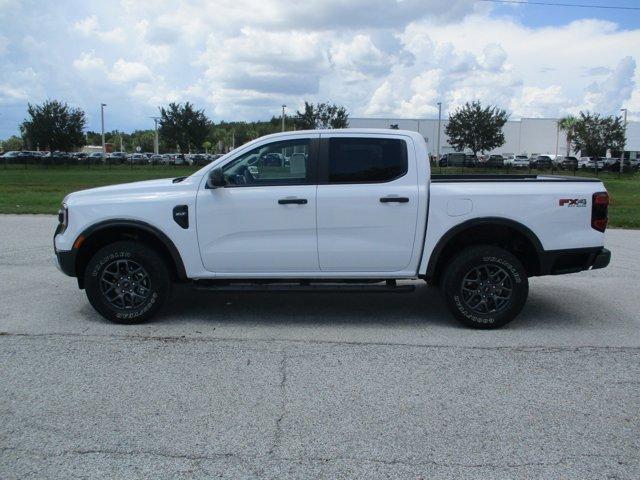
[619, 459]
[277, 437]
[186, 339]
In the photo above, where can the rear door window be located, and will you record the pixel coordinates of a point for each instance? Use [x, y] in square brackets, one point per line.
[366, 160]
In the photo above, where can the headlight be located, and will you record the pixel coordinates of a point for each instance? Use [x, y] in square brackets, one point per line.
[63, 217]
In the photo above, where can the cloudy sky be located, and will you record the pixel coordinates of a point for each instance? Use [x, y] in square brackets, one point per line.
[242, 59]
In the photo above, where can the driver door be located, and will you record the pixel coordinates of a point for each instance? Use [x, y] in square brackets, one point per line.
[264, 220]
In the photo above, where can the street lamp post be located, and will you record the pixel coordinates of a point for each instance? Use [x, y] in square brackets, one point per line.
[104, 147]
[283, 107]
[625, 139]
[156, 146]
[438, 137]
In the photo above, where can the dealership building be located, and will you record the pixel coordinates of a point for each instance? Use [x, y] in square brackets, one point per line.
[525, 136]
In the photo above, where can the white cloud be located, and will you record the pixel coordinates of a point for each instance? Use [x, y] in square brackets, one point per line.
[22, 85]
[87, 61]
[87, 25]
[608, 95]
[540, 102]
[124, 71]
[241, 59]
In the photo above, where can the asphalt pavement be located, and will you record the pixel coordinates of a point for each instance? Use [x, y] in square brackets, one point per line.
[316, 385]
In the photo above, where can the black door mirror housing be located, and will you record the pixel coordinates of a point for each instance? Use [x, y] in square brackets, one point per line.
[216, 179]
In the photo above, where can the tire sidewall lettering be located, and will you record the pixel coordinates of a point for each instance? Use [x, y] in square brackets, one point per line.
[142, 311]
[503, 263]
[108, 258]
[469, 315]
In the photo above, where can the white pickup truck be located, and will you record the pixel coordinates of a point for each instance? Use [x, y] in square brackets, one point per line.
[331, 210]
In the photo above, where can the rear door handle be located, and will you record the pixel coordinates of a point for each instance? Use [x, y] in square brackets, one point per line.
[292, 201]
[394, 200]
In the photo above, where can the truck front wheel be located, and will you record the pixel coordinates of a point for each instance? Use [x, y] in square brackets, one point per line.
[485, 286]
[127, 282]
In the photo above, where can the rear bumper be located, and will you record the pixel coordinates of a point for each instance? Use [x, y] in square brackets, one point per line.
[602, 259]
[558, 262]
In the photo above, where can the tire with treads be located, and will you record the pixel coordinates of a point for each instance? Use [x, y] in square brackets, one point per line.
[127, 282]
[485, 286]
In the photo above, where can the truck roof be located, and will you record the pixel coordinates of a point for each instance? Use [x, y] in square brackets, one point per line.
[349, 131]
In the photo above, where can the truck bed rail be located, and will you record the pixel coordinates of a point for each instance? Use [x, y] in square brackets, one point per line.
[443, 178]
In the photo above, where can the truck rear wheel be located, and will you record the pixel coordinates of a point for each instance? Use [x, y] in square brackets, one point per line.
[127, 282]
[485, 286]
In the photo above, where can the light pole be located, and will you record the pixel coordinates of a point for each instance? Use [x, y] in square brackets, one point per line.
[104, 147]
[156, 146]
[283, 107]
[438, 137]
[625, 139]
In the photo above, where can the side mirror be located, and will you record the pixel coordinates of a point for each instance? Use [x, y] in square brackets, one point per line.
[216, 179]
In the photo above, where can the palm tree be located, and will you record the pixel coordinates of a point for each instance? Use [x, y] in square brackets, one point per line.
[567, 124]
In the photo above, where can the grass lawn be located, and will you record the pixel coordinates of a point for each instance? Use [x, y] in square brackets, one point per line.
[40, 190]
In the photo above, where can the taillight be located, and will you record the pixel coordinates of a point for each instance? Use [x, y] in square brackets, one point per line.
[599, 211]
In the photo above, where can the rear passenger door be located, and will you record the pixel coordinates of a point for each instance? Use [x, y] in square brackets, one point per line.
[367, 203]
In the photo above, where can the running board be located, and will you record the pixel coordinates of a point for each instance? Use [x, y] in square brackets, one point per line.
[388, 287]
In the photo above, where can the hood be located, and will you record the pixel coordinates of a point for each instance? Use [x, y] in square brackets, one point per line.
[125, 191]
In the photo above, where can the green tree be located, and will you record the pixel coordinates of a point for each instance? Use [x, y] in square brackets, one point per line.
[568, 124]
[12, 143]
[183, 126]
[143, 139]
[54, 126]
[476, 128]
[321, 115]
[594, 135]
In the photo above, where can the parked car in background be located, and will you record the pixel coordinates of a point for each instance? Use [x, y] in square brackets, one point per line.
[11, 155]
[96, 158]
[138, 159]
[532, 159]
[494, 161]
[78, 157]
[543, 162]
[156, 159]
[592, 163]
[517, 161]
[118, 158]
[199, 160]
[627, 166]
[458, 159]
[180, 159]
[556, 160]
[569, 163]
[168, 159]
[608, 161]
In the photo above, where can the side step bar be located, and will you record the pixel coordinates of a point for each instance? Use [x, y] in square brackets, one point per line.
[389, 286]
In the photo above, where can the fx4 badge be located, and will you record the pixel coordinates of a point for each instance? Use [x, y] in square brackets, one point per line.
[573, 202]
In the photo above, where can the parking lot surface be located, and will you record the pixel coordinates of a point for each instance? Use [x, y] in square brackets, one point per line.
[317, 386]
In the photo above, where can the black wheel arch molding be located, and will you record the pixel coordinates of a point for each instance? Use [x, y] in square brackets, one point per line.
[68, 260]
[547, 262]
[474, 223]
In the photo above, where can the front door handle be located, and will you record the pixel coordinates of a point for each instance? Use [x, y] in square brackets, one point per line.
[394, 200]
[292, 201]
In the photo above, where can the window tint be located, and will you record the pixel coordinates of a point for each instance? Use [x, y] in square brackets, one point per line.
[365, 160]
[277, 163]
